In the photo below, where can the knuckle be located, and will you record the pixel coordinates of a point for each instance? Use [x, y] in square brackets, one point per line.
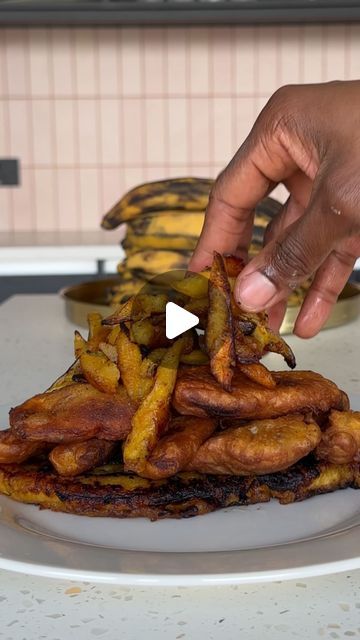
[283, 94]
[289, 262]
[281, 118]
[328, 293]
[345, 258]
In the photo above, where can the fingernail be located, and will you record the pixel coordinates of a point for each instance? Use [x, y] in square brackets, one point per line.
[255, 291]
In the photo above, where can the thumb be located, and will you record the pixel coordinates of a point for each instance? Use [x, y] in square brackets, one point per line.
[292, 257]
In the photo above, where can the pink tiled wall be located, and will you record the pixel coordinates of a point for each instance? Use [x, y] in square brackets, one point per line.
[92, 112]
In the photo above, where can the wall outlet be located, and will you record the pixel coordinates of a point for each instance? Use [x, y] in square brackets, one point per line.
[9, 172]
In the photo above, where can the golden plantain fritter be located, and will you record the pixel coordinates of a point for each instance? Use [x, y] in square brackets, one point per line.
[13, 449]
[198, 394]
[340, 442]
[261, 446]
[76, 412]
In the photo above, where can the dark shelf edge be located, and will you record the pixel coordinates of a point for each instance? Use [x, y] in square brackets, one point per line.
[174, 16]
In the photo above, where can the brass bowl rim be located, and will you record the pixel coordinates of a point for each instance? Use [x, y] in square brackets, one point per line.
[78, 304]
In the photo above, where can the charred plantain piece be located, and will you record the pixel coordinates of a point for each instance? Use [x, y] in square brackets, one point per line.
[219, 336]
[258, 373]
[185, 495]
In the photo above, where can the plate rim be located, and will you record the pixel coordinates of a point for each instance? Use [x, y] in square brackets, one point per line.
[329, 545]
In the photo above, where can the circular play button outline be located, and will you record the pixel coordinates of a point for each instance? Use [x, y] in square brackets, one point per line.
[174, 320]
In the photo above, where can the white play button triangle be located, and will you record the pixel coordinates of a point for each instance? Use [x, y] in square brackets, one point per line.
[178, 320]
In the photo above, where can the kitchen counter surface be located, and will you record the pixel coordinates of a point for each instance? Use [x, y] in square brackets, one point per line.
[36, 347]
[39, 252]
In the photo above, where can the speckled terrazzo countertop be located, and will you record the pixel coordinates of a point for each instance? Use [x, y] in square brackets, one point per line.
[39, 608]
[35, 609]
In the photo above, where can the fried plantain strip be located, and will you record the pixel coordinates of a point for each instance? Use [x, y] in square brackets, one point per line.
[77, 457]
[97, 332]
[80, 344]
[102, 374]
[176, 449]
[194, 285]
[253, 338]
[109, 350]
[233, 265]
[137, 308]
[150, 332]
[136, 380]
[258, 373]
[219, 337]
[152, 416]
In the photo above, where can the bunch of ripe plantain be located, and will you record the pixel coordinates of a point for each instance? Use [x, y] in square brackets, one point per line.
[164, 220]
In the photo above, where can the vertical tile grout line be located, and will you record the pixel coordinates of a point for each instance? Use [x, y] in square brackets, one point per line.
[189, 125]
[98, 128]
[72, 34]
[278, 56]
[29, 103]
[233, 99]
[7, 126]
[50, 67]
[256, 72]
[165, 99]
[144, 160]
[210, 47]
[120, 97]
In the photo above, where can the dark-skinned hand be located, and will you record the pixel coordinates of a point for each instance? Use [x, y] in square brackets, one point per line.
[308, 138]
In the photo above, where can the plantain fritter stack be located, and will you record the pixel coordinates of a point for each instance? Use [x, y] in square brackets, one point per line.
[146, 425]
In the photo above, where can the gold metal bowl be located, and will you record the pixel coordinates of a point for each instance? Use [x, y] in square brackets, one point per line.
[87, 297]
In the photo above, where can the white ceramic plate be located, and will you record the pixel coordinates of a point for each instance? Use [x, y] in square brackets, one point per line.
[242, 544]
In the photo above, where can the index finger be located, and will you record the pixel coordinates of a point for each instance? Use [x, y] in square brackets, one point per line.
[259, 164]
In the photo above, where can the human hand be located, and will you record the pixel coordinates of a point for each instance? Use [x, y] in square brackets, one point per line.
[307, 137]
